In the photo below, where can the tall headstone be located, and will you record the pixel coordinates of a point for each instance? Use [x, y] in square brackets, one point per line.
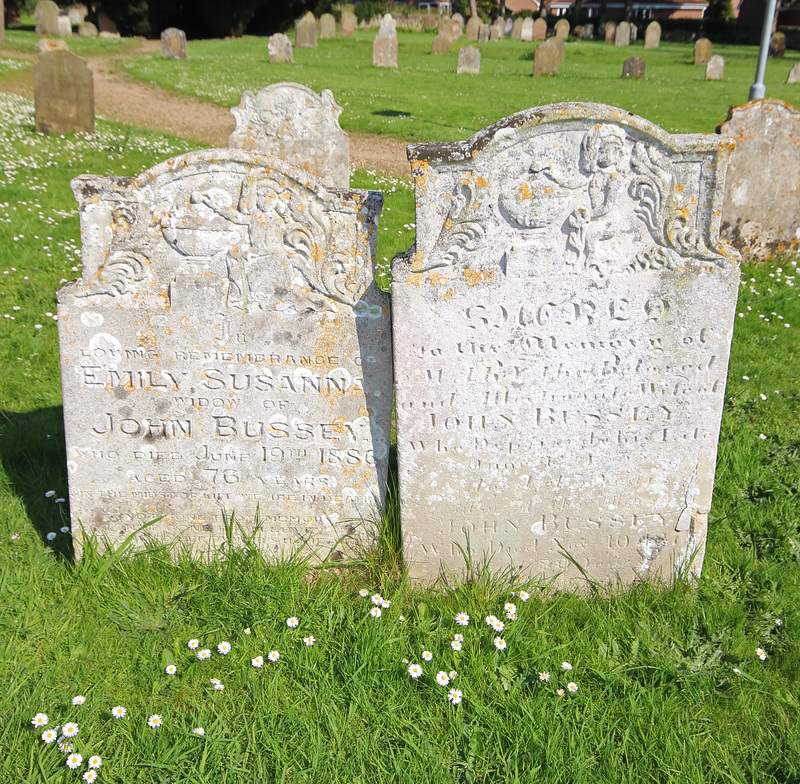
[305, 34]
[623, 34]
[64, 26]
[539, 29]
[546, 58]
[445, 26]
[516, 30]
[777, 44]
[508, 28]
[473, 28]
[173, 44]
[469, 60]
[384, 47]
[526, 31]
[702, 51]
[327, 26]
[588, 30]
[483, 33]
[762, 188]
[611, 32]
[63, 94]
[633, 67]
[348, 24]
[441, 44]
[562, 334]
[652, 36]
[562, 29]
[291, 122]
[87, 30]
[46, 13]
[498, 30]
[280, 49]
[458, 26]
[634, 33]
[226, 351]
[715, 68]
[794, 75]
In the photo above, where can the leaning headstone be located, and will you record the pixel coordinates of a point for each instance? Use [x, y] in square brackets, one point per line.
[291, 122]
[105, 24]
[715, 69]
[469, 60]
[64, 26]
[87, 30]
[516, 30]
[280, 49]
[623, 35]
[327, 27]
[562, 334]
[64, 94]
[611, 32]
[634, 67]
[77, 14]
[226, 352]
[441, 44]
[652, 36]
[52, 45]
[483, 33]
[498, 30]
[173, 44]
[47, 18]
[539, 29]
[562, 29]
[777, 44]
[794, 75]
[526, 30]
[348, 24]
[762, 187]
[473, 28]
[702, 51]
[384, 47]
[546, 58]
[305, 34]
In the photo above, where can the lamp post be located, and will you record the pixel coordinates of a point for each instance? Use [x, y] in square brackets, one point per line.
[757, 89]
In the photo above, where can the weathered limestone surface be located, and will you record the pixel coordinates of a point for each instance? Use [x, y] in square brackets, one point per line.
[516, 29]
[52, 45]
[458, 26]
[562, 29]
[77, 14]
[794, 75]
[441, 44]
[473, 28]
[483, 33]
[280, 49]
[634, 67]
[652, 36]
[539, 29]
[226, 350]
[348, 24]
[623, 34]
[702, 51]
[611, 32]
[546, 57]
[384, 47]
[327, 27]
[87, 30]
[715, 68]
[291, 122]
[305, 34]
[64, 26]
[562, 334]
[760, 212]
[469, 60]
[63, 89]
[526, 30]
[173, 44]
[46, 13]
[498, 30]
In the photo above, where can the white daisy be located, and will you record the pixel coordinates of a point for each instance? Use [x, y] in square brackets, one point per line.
[214, 681]
[566, 666]
[761, 653]
[224, 648]
[293, 622]
[402, 619]
[442, 678]
[511, 616]
[49, 493]
[154, 721]
[170, 669]
[52, 535]
[199, 731]
[48, 736]
[462, 619]
[386, 604]
[458, 637]
[95, 762]
[376, 599]
[118, 712]
[560, 692]
[452, 674]
[414, 670]
[455, 696]
[572, 687]
[309, 641]
[64, 746]
[524, 596]
[510, 607]
[70, 729]
[427, 655]
[500, 643]
[498, 625]
[74, 761]
[376, 612]
[79, 700]
[544, 677]
[204, 654]
[273, 656]
[40, 720]
[247, 631]
[364, 593]
[258, 661]
[736, 671]
[779, 621]
[90, 776]
[193, 644]
[219, 687]
[456, 645]
[491, 620]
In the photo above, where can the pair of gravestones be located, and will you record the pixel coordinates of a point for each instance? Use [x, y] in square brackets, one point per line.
[558, 337]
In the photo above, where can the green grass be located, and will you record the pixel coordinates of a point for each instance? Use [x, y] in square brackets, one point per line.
[658, 699]
[407, 102]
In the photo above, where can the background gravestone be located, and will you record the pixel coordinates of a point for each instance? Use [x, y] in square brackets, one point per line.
[173, 44]
[623, 34]
[469, 60]
[777, 44]
[762, 188]
[588, 30]
[64, 26]
[562, 334]
[508, 27]
[579, 31]
[539, 29]
[562, 29]
[46, 13]
[498, 30]
[348, 24]
[87, 30]
[483, 33]
[715, 68]
[652, 36]
[794, 75]
[546, 58]
[445, 26]
[327, 27]
[610, 32]
[516, 29]
[105, 24]
[441, 44]
[291, 122]
[63, 94]
[702, 51]
[384, 47]
[226, 350]
[633, 67]
[526, 30]
[458, 21]
[473, 28]
[77, 14]
[280, 49]
[305, 34]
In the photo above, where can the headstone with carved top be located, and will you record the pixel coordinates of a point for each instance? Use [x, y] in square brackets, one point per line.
[562, 332]
[327, 27]
[539, 29]
[610, 32]
[473, 28]
[562, 29]
[623, 34]
[348, 24]
[702, 51]
[526, 29]
[226, 352]
[715, 68]
[516, 29]
[652, 36]
[46, 13]
[497, 31]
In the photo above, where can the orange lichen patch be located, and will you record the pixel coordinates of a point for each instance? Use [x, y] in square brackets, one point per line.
[482, 182]
[679, 187]
[147, 339]
[416, 261]
[524, 192]
[414, 279]
[316, 253]
[435, 279]
[474, 277]
[363, 411]
[448, 224]
[340, 426]
[447, 295]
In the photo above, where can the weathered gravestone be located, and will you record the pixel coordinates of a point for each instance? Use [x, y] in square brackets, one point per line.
[702, 51]
[46, 13]
[539, 29]
[634, 67]
[280, 49]
[445, 26]
[483, 33]
[348, 24]
[777, 44]
[64, 26]
[441, 44]
[305, 34]
[105, 24]
[498, 30]
[588, 30]
[760, 212]
[469, 60]
[634, 33]
[579, 31]
[516, 30]
[508, 27]
[546, 58]
[384, 47]
[63, 93]
[623, 35]
[87, 30]
[715, 68]
[794, 75]
[77, 14]
[562, 29]
[562, 334]
[327, 27]
[458, 26]
[291, 122]
[173, 44]
[652, 36]
[526, 30]
[52, 45]
[611, 32]
[226, 352]
[473, 28]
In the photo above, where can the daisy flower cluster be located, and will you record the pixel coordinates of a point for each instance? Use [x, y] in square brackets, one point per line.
[62, 737]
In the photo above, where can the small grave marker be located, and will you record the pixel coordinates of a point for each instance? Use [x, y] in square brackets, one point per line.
[633, 67]
[327, 27]
[469, 60]
[546, 58]
[280, 49]
[611, 32]
[539, 29]
[715, 68]
[305, 34]
[702, 51]
[562, 29]
[173, 44]
[64, 93]
[623, 34]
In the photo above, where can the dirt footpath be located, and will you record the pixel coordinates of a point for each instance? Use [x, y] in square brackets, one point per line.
[120, 97]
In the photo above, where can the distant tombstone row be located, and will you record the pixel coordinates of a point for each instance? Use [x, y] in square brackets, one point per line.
[173, 44]
[384, 47]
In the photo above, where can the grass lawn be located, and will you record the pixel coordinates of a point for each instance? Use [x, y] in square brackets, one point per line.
[670, 687]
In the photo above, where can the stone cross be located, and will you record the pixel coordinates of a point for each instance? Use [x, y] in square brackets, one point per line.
[64, 93]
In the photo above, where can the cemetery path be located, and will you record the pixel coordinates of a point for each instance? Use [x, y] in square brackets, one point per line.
[120, 97]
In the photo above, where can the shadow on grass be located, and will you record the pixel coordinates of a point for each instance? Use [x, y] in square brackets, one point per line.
[33, 456]
[392, 113]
